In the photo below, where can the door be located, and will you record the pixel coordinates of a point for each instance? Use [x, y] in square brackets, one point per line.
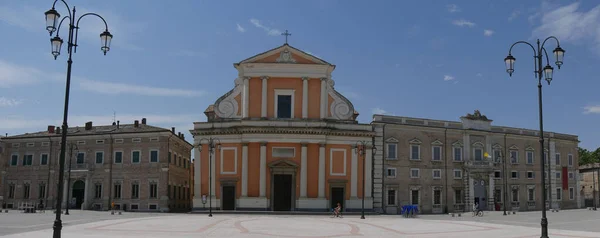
[337, 196]
[282, 192]
[228, 198]
[480, 194]
[78, 193]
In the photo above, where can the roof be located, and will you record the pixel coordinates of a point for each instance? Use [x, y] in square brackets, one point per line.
[276, 49]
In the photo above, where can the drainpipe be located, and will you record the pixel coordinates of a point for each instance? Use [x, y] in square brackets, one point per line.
[446, 170]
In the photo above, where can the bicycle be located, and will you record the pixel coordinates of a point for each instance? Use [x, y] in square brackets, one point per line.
[478, 213]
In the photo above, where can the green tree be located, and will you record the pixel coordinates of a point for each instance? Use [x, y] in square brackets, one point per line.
[588, 157]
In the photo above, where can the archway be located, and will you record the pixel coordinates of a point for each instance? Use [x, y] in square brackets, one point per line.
[77, 194]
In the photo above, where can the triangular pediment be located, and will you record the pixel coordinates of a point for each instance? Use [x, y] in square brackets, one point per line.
[392, 140]
[283, 163]
[437, 142]
[514, 147]
[529, 148]
[497, 146]
[285, 54]
[478, 144]
[457, 144]
[415, 141]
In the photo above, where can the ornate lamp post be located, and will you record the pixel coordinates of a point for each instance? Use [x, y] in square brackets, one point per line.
[504, 178]
[213, 143]
[68, 198]
[361, 149]
[538, 54]
[52, 25]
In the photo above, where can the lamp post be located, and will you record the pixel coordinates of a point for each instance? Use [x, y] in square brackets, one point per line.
[504, 178]
[52, 25]
[213, 143]
[361, 149]
[68, 198]
[538, 54]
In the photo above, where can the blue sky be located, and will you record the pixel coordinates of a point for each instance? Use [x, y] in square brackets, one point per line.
[430, 59]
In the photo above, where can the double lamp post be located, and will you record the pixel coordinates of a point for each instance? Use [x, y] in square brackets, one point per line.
[212, 143]
[362, 149]
[538, 54]
[53, 24]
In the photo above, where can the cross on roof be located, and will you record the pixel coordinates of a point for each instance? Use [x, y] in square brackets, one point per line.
[286, 34]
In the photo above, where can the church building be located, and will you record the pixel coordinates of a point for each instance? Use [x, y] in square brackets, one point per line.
[283, 139]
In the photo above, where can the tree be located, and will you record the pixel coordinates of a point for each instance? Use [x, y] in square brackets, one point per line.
[588, 157]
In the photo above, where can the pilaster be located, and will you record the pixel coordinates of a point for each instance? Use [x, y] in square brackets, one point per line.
[245, 98]
[244, 169]
[305, 97]
[354, 174]
[303, 170]
[324, 98]
[263, 105]
[321, 192]
[197, 174]
[263, 170]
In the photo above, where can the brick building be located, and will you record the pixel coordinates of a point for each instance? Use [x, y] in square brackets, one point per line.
[136, 166]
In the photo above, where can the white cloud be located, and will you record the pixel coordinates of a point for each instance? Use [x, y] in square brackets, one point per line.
[24, 17]
[121, 88]
[378, 110]
[514, 14]
[487, 32]
[570, 24]
[9, 102]
[479, 75]
[463, 23]
[453, 8]
[240, 28]
[591, 109]
[270, 31]
[16, 75]
[448, 78]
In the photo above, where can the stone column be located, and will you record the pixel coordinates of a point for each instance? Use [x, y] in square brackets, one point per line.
[263, 104]
[321, 171]
[86, 195]
[324, 98]
[368, 172]
[466, 147]
[553, 180]
[197, 175]
[354, 174]
[244, 169]
[64, 191]
[245, 97]
[303, 170]
[305, 97]
[212, 169]
[263, 169]
[491, 184]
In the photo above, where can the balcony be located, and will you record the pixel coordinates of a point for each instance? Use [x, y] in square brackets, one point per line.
[515, 206]
[530, 205]
[78, 167]
[485, 165]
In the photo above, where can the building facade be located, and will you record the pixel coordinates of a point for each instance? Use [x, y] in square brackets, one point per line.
[442, 165]
[589, 182]
[287, 140]
[135, 166]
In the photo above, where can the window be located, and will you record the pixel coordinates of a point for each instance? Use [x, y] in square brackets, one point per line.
[99, 157]
[175, 158]
[530, 194]
[457, 174]
[136, 140]
[570, 158]
[497, 155]
[414, 197]
[282, 152]
[169, 157]
[457, 153]
[414, 173]
[135, 191]
[437, 173]
[514, 156]
[154, 139]
[530, 175]
[26, 190]
[117, 190]
[497, 174]
[118, 157]
[515, 195]
[154, 156]
[437, 197]
[514, 174]
[391, 172]
[41, 190]
[153, 190]
[391, 151]
[478, 154]
[99, 141]
[415, 152]
[14, 160]
[557, 175]
[119, 141]
[557, 158]
[135, 206]
[152, 206]
[458, 198]
[436, 153]
[16, 145]
[169, 191]
[11, 190]
[546, 158]
[98, 191]
[81, 142]
[571, 175]
[135, 156]
[44, 159]
[571, 193]
[558, 193]
[391, 197]
[30, 144]
[45, 143]
[284, 103]
[529, 157]
[80, 157]
[27, 160]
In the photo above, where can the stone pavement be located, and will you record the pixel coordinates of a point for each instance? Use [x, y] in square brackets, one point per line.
[232, 226]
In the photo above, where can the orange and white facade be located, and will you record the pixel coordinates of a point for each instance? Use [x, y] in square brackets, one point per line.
[287, 140]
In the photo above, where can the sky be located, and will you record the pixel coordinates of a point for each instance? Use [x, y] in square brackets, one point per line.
[434, 59]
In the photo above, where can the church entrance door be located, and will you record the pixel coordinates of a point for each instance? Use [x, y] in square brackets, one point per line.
[282, 192]
[228, 198]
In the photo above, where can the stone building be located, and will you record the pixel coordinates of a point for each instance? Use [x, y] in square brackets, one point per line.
[441, 165]
[136, 166]
[287, 139]
[589, 184]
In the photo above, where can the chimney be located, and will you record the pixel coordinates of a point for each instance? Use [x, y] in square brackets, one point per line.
[114, 123]
[88, 125]
[50, 129]
[58, 130]
[173, 130]
[117, 124]
[136, 123]
[143, 121]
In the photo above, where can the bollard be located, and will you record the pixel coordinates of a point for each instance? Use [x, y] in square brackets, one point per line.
[514, 212]
[459, 214]
[452, 214]
[119, 213]
[112, 212]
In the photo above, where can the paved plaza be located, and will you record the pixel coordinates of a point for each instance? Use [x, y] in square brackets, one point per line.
[575, 223]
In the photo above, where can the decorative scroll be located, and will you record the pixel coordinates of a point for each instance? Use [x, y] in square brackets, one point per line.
[226, 106]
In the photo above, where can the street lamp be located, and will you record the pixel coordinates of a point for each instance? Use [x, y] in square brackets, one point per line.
[213, 143]
[361, 149]
[504, 178]
[72, 146]
[52, 25]
[538, 54]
